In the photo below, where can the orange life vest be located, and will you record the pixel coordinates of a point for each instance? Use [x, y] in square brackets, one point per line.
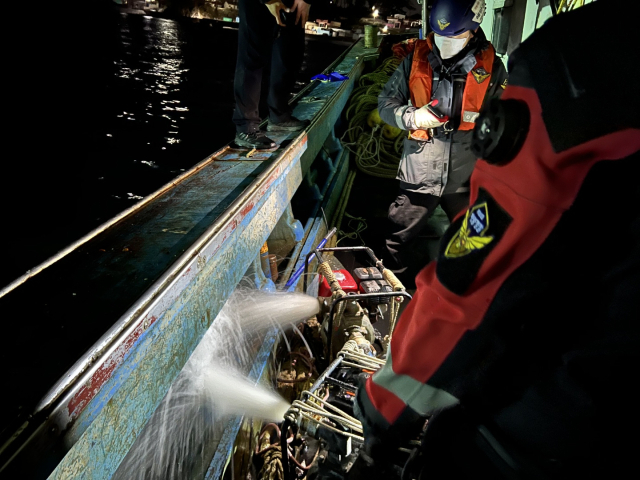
[421, 82]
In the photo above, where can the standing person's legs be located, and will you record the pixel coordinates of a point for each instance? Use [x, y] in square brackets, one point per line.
[408, 215]
[454, 203]
[255, 37]
[286, 60]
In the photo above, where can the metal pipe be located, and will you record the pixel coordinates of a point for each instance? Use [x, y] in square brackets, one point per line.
[330, 369]
[358, 248]
[303, 267]
[425, 19]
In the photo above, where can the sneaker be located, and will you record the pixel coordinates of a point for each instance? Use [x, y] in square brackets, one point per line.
[291, 125]
[257, 140]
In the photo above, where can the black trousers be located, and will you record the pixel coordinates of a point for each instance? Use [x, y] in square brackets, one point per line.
[408, 216]
[261, 42]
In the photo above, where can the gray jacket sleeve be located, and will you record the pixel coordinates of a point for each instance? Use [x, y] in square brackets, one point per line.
[394, 100]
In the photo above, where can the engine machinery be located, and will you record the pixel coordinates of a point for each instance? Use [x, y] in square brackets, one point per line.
[329, 357]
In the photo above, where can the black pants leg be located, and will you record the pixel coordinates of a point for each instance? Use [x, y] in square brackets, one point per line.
[256, 34]
[260, 42]
[409, 215]
[286, 60]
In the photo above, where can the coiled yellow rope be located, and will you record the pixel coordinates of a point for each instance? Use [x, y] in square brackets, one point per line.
[374, 154]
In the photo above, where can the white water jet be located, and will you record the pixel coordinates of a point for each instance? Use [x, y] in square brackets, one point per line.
[180, 437]
[235, 395]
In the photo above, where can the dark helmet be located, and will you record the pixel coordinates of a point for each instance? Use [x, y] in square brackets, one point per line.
[453, 17]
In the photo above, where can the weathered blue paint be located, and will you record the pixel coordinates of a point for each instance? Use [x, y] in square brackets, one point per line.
[326, 114]
[225, 446]
[124, 403]
[314, 231]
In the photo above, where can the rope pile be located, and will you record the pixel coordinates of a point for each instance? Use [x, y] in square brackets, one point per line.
[296, 376]
[269, 450]
[376, 146]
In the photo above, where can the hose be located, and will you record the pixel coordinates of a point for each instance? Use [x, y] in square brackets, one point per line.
[286, 465]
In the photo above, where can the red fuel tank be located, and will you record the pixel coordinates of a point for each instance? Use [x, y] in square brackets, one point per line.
[346, 281]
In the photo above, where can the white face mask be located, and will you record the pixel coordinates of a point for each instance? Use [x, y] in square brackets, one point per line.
[450, 46]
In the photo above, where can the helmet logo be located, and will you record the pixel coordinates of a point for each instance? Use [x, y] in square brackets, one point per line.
[442, 23]
[480, 74]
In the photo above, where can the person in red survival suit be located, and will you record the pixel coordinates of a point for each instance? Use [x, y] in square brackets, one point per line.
[521, 344]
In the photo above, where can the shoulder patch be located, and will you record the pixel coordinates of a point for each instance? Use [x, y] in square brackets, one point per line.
[480, 74]
[468, 241]
[472, 234]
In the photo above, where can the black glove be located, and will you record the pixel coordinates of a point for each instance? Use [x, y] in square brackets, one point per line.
[365, 468]
[376, 457]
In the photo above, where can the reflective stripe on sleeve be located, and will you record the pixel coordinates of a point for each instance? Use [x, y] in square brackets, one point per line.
[422, 398]
[399, 114]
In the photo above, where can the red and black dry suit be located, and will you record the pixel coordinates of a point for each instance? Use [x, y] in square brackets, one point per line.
[522, 342]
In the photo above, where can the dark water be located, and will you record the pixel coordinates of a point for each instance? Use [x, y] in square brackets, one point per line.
[117, 106]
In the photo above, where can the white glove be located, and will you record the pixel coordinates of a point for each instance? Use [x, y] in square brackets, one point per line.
[425, 119]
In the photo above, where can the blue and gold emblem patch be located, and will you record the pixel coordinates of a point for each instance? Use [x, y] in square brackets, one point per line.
[468, 242]
[472, 234]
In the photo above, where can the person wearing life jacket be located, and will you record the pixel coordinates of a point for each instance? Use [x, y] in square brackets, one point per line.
[436, 94]
[521, 345]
